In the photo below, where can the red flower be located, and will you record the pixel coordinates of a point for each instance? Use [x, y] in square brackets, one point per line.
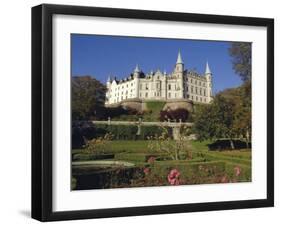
[237, 170]
[151, 159]
[173, 177]
[146, 171]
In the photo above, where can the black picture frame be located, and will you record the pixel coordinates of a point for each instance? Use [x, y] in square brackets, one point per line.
[42, 107]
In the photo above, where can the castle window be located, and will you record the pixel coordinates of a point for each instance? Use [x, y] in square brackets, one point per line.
[146, 94]
[169, 87]
[196, 98]
[191, 97]
[204, 92]
[191, 80]
[200, 91]
[169, 95]
[200, 99]
[192, 89]
[199, 83]
[195, 82]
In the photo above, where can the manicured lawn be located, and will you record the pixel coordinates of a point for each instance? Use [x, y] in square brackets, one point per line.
[141, 147]
[203, 167]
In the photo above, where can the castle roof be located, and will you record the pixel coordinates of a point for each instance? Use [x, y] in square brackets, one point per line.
[208, 71]
[179, 60]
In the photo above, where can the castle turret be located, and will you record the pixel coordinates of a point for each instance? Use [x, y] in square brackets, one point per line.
[179, 67]
[178, 73]
[108, 87]
[136, 74]
[208, 75]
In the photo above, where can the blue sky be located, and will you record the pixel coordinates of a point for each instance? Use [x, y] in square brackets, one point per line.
[100, 56]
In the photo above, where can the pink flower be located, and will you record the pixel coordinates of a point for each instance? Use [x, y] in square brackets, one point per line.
[146, 171]
[173, 177]
[237, 170]
[151, 159]
[224, 179]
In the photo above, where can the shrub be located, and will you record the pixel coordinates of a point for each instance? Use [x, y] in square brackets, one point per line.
[138, 157]
[213, 156]
[152, 131]
[86, 157]
[245, 175]
[189, 170]
[176, 115]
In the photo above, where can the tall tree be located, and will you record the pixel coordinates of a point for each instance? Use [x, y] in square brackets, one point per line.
[216, 120]
[241, 53]
[88, 96]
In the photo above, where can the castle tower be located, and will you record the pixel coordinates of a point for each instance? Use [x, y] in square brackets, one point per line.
[136, 74]
[179, 67]
[178, 73]
[108, 86]
[208, 75]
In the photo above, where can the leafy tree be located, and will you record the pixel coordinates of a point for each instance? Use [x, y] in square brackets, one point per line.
[88, 96]
[228, 116]
[216, 120]
[241, 54]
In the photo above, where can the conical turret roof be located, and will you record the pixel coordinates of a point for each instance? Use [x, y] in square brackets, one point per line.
[208, 71]
[179, 60]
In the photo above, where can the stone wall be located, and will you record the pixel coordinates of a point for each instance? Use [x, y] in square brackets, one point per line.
[140, 105]
[180, 103]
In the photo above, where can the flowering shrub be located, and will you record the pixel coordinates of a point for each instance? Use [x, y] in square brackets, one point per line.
[237, 171]
[97, 145]
[146, 171]
[164, 143]
[224, 179]
[173, 177]
[151, 160]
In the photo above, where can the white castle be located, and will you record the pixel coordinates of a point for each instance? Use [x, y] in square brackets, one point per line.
[181, 84]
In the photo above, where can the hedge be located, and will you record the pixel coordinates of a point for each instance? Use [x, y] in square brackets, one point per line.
[94, 179]
[88, 131]
[138, 157]
[189, 170]
[86, 157]
[210, 157]
[245, 175]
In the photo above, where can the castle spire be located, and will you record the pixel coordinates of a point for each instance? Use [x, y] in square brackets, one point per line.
[179, 60]
[208, 71]
[109, 79]
[137, 70]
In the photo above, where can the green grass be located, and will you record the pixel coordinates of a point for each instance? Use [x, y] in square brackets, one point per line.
[156, 106]
[200, 146]
[153, 110]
